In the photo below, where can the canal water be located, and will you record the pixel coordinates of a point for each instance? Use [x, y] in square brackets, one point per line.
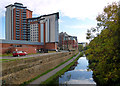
[77, 74]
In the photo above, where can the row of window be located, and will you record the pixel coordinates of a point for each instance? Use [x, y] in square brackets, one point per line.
[35, 32]
[33, 24]
[34, 35]
[32, 20]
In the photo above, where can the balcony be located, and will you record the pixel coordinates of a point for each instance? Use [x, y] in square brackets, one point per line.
[17, 15]
[17, 25]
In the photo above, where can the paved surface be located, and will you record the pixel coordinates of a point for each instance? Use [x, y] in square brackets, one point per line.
[46, 76]
[35, 55]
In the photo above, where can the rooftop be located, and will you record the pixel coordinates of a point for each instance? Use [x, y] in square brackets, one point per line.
[57, 13]
[16, 4]
[19, 42]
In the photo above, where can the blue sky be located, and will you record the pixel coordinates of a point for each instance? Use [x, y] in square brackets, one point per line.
[76, 16]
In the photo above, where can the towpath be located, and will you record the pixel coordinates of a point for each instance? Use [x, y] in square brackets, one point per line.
[51, 73]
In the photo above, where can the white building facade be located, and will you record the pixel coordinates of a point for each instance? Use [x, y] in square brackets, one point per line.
[45, 28]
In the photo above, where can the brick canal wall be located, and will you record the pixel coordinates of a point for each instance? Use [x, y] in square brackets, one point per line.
[19, 71]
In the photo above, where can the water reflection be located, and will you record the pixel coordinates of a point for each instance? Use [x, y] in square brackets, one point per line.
[79, 75]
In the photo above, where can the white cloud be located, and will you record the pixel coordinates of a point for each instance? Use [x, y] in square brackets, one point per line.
[85, 81]
[60, 21]
[82, 37]
[80, 26]
[80, 9]
[80, 70]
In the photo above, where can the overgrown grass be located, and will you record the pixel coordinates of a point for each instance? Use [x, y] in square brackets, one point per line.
[25, 83]
[59, 73]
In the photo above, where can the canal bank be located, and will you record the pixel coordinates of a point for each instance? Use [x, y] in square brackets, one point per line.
[51, 73]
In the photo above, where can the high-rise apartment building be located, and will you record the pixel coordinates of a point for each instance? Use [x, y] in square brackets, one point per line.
[15, 22]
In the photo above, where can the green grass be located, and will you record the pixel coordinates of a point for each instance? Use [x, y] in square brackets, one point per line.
[59, 73]
[34, 53]
[6, 55]
[25, 83]
[2, 55]
[51, 51]
[3, 59]
[12, 55]
[7, 60]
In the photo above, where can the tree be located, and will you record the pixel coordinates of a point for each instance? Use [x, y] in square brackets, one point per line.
[80, 47]
[104, 49]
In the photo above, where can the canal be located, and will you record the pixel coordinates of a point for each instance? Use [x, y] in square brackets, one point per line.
[77, 74]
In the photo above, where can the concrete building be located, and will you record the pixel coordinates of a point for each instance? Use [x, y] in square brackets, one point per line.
[67, 42]
[44, 28]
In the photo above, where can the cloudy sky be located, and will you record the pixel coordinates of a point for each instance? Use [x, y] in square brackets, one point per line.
[76, 16]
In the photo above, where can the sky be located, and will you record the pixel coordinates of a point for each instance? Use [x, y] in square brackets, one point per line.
[76, 16]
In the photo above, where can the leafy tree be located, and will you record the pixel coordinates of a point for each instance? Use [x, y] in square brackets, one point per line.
[104, 49]
[80, 47]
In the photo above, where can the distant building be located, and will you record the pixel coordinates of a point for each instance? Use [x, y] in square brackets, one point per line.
[67, 42]
[83, 44]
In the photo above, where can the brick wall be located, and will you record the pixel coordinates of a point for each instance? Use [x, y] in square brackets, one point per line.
[0, 48]
[51, 46]
[28, 48]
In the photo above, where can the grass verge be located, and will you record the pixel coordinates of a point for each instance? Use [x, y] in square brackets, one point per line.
[7, 60]
[10, 54]
[59, 73]
[25, 83]
[2, 55]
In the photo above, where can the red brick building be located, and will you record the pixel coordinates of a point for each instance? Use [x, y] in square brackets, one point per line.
[29, 47]
[67, 42]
